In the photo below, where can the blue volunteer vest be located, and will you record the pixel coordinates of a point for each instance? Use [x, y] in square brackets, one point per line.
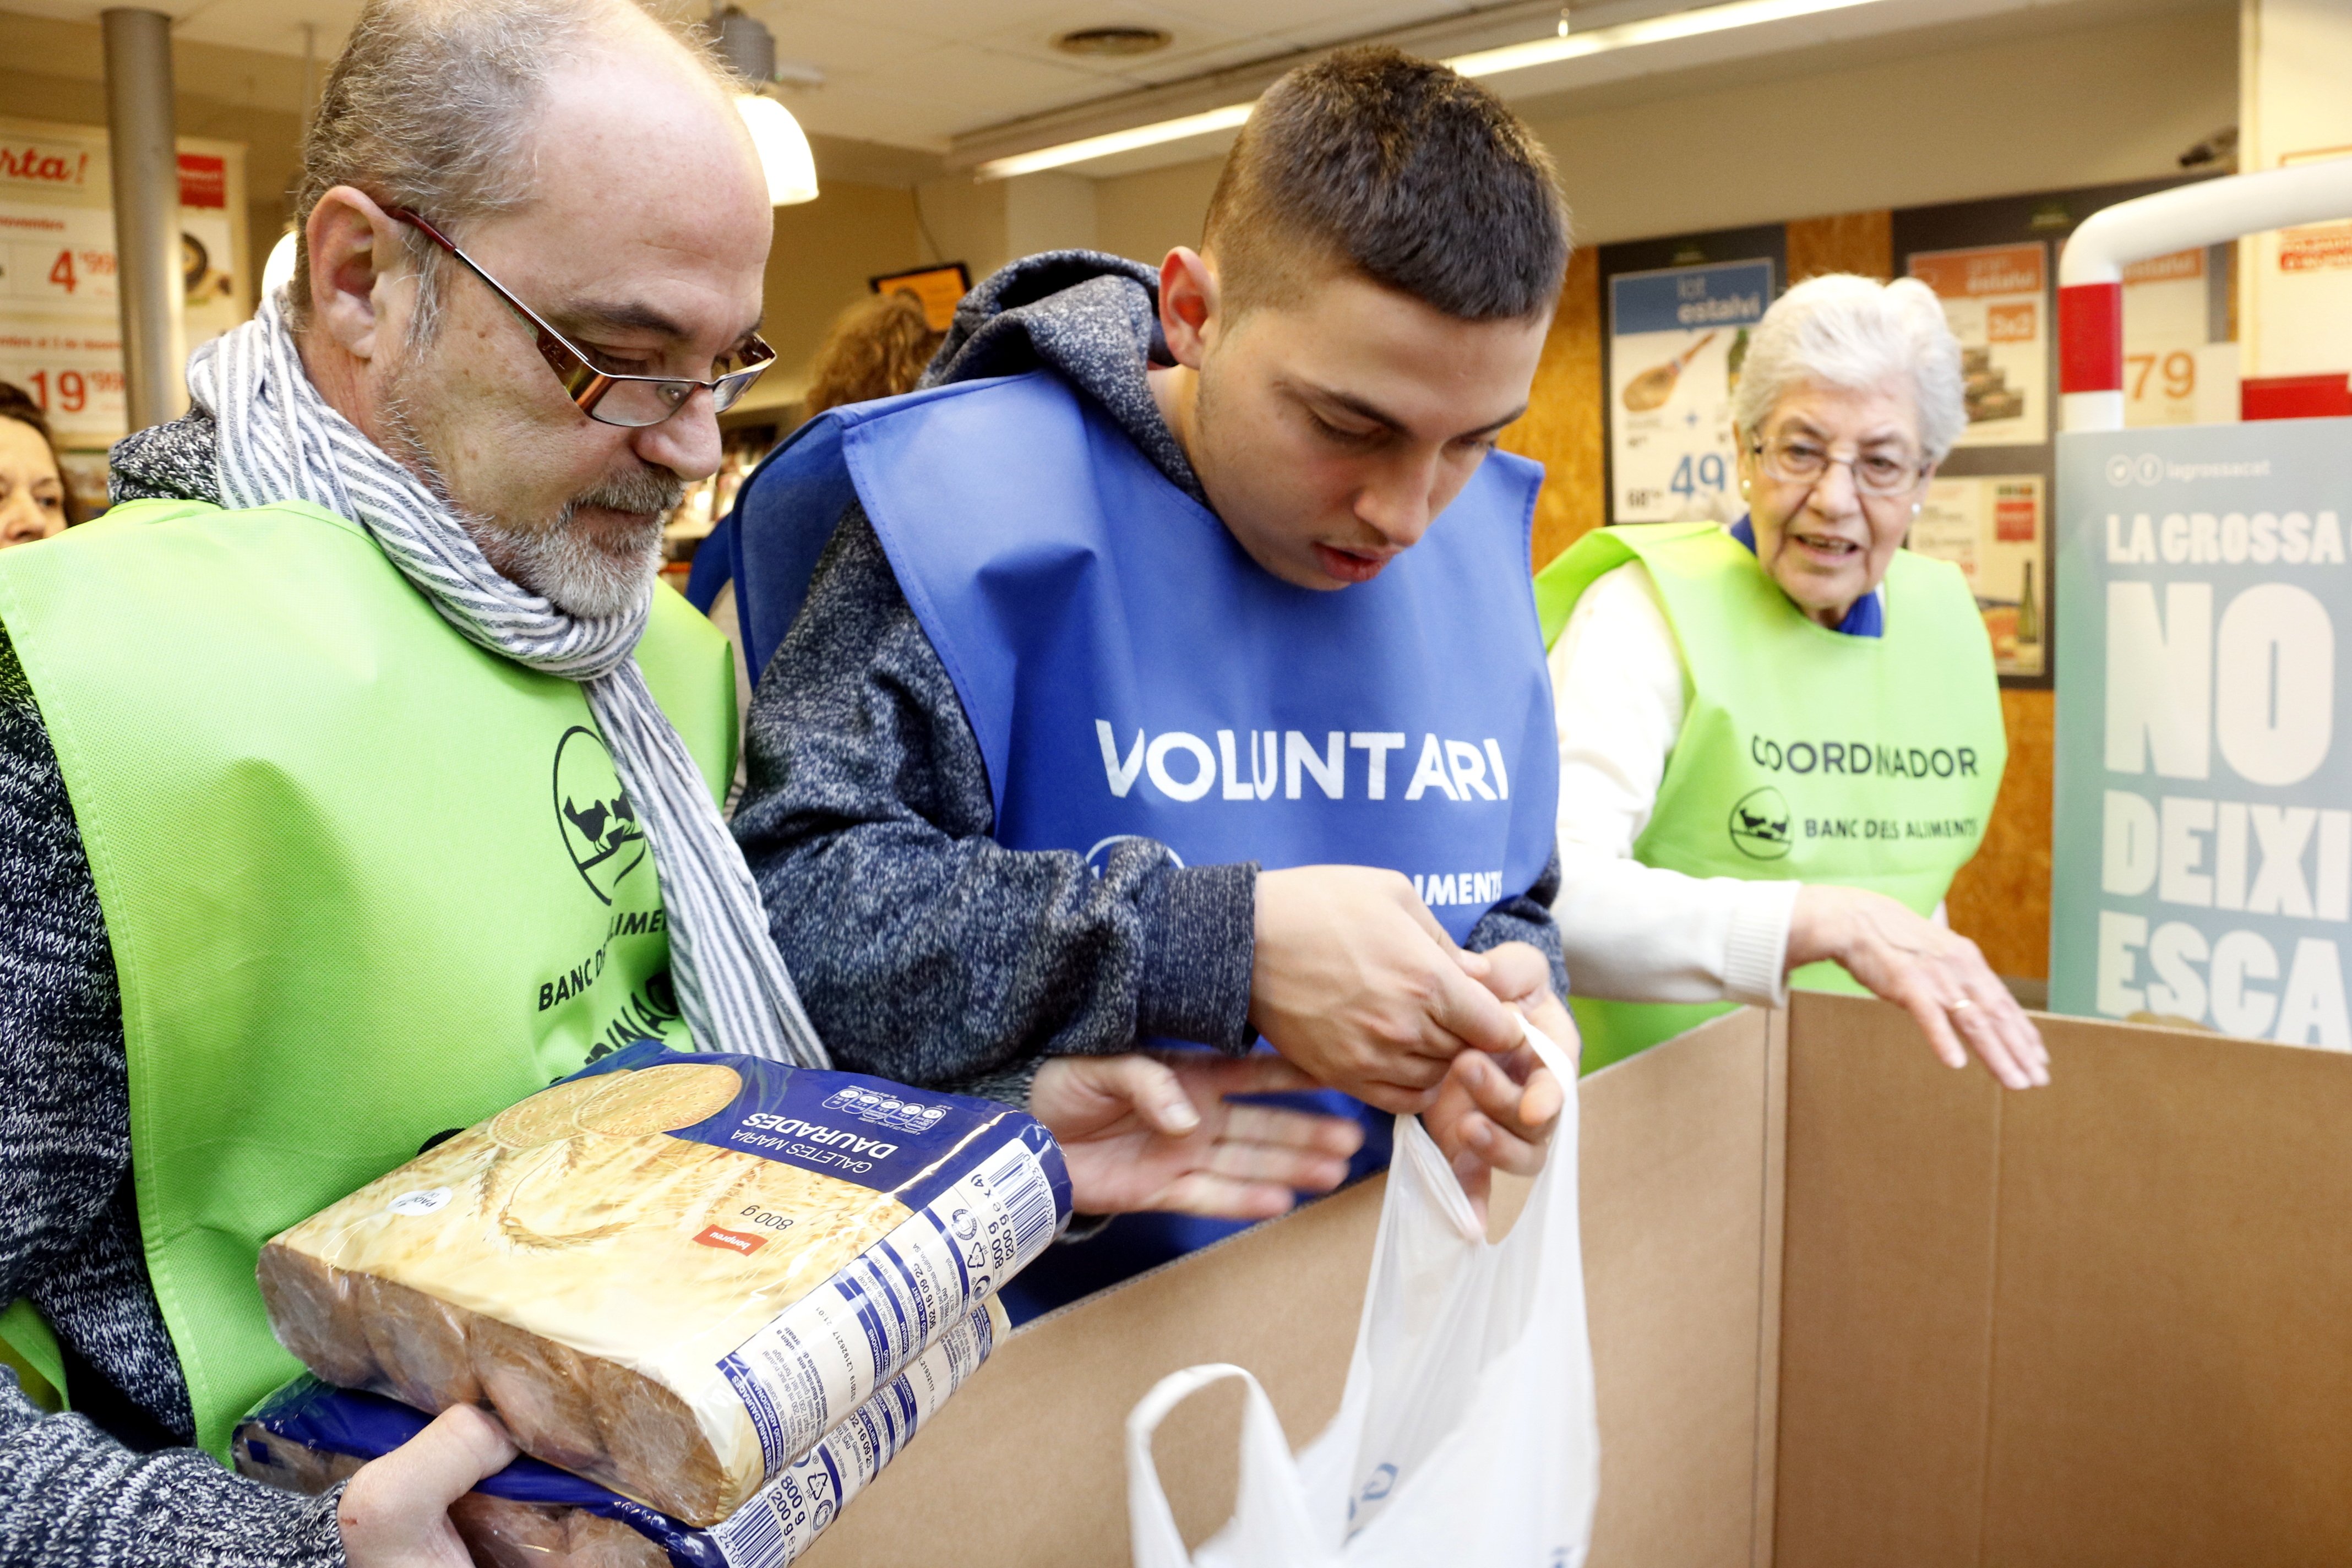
[1129, 670]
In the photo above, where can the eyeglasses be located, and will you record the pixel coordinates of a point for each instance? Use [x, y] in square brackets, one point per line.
[629, 400]
[1801, 461]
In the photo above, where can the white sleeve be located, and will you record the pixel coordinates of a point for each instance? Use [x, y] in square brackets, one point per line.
[1629, 932]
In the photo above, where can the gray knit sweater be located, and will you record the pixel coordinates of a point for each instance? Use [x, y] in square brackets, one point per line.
[925, 950]
[115, 1486]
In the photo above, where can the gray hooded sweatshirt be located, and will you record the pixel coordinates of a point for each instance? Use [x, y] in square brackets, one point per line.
[925, 950]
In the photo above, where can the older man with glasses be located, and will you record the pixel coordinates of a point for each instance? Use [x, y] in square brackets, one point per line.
[356, 779]
[1778, 741]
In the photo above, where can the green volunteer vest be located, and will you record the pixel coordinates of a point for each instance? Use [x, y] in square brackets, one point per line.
[363, 880]
[1805, 754]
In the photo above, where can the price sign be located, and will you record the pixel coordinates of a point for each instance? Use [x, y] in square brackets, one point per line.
[60, 328]
[76, 378]
[2164, 328]
[1678, 337]
[1994, 299]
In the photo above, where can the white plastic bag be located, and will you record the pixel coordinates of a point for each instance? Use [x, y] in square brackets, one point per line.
[1467, 1433]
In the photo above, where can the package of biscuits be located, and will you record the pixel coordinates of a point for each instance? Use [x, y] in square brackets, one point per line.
[672, 1273]
[308, 1435]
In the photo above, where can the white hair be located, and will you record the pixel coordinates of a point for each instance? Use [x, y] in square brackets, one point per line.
[1854, 332]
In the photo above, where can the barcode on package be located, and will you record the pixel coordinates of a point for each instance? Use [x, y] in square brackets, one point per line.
[790, 1511]
[752, 1538]
[1020, 1184]
[828, 1354]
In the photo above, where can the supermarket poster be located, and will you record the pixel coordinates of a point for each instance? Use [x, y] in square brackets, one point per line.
[2171, 375]
[1996, 300]
[60, 328]
[1991, 528]
[1677, 338]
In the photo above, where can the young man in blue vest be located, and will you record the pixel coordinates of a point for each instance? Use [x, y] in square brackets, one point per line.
[284, 889]
[1167, 671]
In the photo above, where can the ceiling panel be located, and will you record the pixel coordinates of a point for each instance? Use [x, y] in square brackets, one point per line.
[917, 74]
[909, 72]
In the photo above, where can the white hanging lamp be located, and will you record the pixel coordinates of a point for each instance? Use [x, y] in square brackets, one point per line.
[783, 149]
[750, 51]
[278, 270]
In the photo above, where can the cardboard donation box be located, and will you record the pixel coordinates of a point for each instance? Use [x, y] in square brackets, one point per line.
[1848, 1307]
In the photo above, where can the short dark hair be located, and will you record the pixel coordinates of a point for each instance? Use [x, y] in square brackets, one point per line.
[1400, 170]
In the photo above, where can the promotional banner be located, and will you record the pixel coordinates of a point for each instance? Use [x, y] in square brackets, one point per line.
[61, 333]
[1995, 299]
[1678, 340]
[2203, 866]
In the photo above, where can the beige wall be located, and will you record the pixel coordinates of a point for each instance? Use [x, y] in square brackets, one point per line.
[1146, 215]
[824, 252]
[2112, 102]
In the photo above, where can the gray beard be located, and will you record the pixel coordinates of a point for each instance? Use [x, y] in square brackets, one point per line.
[570, 571]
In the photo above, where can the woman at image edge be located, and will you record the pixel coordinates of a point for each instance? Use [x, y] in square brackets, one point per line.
[1805, 621]
[34, 501]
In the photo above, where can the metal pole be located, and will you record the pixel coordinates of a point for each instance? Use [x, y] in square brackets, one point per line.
[146, 167]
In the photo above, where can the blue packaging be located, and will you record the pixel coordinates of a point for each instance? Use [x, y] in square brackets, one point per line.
[309, 1434]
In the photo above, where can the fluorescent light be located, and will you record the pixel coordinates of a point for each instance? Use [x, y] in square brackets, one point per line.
[783, 148]
[1225, 119]
[1482, 62]
[1627, 35]
[278, 270]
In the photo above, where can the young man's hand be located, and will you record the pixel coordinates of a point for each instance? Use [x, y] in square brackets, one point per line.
[1520, 976]
[1501, 1111]
[1495, 1112]
[1354, 980]
[395, 1512]
[1151, 1133]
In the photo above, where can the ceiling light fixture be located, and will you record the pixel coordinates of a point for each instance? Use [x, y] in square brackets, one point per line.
[1225, 119]
[278, 270]
[783, 147]
[1113, 41]
[1566, 45]
[1675, 24]
[750, 51]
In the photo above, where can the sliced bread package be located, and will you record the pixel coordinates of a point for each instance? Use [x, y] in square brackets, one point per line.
[672, 1273]
[308, 1435]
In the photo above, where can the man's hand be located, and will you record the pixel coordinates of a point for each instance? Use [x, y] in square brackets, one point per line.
[1355, 981]
[1933, 972]
[1502, 1110]
[1520, 976]
[1495, 1111]
[396, 1512]
[1147, 1132]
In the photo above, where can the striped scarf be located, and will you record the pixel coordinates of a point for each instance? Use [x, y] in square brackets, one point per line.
[279, 441]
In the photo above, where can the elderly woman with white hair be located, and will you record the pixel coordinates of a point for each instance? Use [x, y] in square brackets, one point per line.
[1778, 741]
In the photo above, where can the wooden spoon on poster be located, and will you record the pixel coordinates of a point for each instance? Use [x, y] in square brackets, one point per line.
[1651, 388]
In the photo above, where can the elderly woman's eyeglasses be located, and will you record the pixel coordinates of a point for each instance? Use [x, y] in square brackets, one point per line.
[629, 400]
[1801, 461]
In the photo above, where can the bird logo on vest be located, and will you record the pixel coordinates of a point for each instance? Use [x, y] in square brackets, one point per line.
[1760, 825]
[599, 823]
